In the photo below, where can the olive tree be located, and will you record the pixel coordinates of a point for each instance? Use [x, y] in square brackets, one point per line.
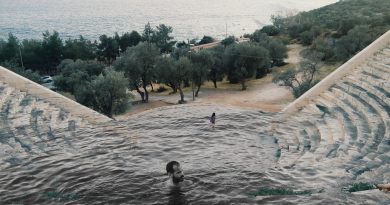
[106, 93]
[138, 65]
[244, 61]
[303, 78]
[202, 62]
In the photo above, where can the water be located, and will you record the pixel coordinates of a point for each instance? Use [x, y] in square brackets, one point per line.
[189, 18]
[125, 162]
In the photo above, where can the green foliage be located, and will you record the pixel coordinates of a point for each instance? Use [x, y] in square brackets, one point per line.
[216, 72]
[108, 49]
[129, 40]
[228, 41]
[323, 46]
[9, 50]
[302, 79]
[80, 48]
[107, 93]
[202, 62]
[52, 50]
[27, 73]
[361, 186]
[344, 23]
[270, 30]
[166, 72]
[160, 37]
[206, 40]
[278, 192]
[138, 64]
[356, 39]
[31, 52]
[245, 60]
[76, 74]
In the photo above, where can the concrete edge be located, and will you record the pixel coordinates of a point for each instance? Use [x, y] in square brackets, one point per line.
[31, 88]
[338, 74]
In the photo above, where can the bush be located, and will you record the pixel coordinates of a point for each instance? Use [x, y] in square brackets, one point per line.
[270, 30]
[206, 40]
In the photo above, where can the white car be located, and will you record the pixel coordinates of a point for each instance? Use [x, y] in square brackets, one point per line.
[47, 81]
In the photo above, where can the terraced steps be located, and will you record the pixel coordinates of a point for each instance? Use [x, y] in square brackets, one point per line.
[30, 126]
[352, 127]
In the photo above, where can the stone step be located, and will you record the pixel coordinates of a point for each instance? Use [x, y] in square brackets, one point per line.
[366, 119]
[379, 127]
[332, 121]
[352, 121]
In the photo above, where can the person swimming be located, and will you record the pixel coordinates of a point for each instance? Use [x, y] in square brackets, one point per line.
[174, 172]
[212, 119]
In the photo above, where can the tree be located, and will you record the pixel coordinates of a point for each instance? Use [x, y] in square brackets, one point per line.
[259, 37]
[80, 48]
[206, 40]
[107, 93]
[244, 61]
[76, 74]
[147, 33]
[52, 50]
[356, 39]
[202, 63]
[302, 79]
[165, 67]
[10, 49]
[27, 73]
[138, 64]
[161, 37]
[174, 72]
[323, 46]
[216, 72]
[129, 40]
[32, 54]
[228, 41]
[108, 49]
[270, 30]
[277, 51]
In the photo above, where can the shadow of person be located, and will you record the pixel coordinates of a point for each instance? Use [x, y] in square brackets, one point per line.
[176, 197]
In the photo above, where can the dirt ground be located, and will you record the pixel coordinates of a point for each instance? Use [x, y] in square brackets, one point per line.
[261, 94]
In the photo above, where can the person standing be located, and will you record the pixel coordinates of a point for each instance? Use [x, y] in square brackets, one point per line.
[212, 120]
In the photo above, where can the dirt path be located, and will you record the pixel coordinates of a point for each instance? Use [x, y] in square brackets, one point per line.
[261, 94]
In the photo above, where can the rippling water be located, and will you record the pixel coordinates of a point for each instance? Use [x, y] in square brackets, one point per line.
[124, 162]
[110, 165]
[189, 18]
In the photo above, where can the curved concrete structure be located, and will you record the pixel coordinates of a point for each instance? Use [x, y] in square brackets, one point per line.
[31, 88]
[339, 73]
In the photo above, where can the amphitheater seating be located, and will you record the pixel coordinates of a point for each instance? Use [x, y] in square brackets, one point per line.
[31, 126]
[357, 128]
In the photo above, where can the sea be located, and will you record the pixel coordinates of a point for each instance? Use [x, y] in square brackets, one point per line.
[28, 19]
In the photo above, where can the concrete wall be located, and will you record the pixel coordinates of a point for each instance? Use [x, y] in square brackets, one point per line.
[31, 88]
[339, 73]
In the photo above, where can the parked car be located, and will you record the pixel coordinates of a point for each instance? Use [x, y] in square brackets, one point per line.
[47, 81]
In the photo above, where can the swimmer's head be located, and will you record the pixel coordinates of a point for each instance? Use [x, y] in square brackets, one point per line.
[175, 172]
